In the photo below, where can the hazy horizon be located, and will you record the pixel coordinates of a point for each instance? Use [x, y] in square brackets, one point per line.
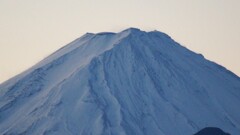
[32, 30]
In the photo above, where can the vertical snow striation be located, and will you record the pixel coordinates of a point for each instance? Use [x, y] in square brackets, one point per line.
[108, 103]
[126, 83]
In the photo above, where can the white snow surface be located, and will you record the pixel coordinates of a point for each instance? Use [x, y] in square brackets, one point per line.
[127, 83]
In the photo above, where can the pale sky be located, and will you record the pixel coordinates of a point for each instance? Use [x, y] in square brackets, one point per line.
[30, 30]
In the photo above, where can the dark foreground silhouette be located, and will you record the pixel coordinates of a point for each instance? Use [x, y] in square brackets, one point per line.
[211, 131]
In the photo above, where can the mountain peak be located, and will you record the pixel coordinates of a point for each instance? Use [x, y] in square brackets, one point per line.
[132, 29]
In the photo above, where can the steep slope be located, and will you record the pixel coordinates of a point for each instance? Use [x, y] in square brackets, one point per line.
[132, 82]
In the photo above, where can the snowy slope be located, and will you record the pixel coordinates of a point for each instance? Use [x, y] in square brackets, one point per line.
[127, 83]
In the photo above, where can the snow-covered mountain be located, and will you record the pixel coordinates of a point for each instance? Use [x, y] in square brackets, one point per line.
[127, 83]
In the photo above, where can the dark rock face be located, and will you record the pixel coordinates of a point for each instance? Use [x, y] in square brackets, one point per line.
[211, 131]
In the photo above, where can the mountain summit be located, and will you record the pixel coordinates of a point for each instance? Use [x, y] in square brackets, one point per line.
[127, 83]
